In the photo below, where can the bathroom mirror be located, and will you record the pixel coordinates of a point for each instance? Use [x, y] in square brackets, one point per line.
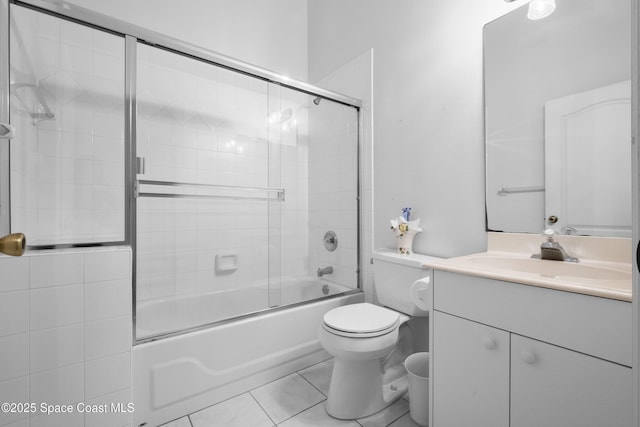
[558, 121]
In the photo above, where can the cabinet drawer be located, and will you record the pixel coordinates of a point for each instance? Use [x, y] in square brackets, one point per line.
[597, 326]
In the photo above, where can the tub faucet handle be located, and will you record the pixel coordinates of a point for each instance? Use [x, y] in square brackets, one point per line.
[325, 270]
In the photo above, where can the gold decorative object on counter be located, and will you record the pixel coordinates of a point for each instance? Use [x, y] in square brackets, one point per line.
[13, 244]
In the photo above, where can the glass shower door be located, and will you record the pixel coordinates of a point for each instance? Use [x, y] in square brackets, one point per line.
[314, 142]
[68, 153]
[204, 194]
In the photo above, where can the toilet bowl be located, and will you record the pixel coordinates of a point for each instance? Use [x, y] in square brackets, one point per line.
[369, 342]
[359, 336]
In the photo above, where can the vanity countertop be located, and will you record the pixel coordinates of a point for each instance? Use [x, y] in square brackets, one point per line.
[604, 269]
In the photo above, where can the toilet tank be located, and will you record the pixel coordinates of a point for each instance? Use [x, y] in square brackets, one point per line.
[393, 275]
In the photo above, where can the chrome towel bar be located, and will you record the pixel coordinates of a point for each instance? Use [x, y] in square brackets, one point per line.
[505, 191]
[152, 188]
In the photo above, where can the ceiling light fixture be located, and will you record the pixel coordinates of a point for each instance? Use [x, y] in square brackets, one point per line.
[539, 9]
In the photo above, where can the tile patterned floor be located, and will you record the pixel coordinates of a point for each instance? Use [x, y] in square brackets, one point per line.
[296, 400]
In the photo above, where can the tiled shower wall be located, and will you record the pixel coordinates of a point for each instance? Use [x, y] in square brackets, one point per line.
[65, 335]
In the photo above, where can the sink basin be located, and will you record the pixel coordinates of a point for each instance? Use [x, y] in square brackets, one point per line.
[551, 269]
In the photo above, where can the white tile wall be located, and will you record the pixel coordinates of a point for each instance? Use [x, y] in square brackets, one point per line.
[52, 348]
[12, 361]
[107, 337]
[14, 390]
[58, 386]
[16, 274]
[55, 306]
[107, 375]
[65, 331]
[14, 313]
[106, 266]
[56, 270]
[103, 300]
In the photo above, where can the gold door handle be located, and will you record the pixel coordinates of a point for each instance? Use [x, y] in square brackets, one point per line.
[13, 244]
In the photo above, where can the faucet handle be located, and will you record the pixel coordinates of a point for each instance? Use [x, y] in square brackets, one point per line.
[550, 234]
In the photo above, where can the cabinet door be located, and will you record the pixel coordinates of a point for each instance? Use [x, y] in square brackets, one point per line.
[470, 373]
[552, 386]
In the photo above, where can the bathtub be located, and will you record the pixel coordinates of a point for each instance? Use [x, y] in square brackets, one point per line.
[181, 374]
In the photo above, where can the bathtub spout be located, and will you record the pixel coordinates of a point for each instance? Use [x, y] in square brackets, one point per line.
[325, 270]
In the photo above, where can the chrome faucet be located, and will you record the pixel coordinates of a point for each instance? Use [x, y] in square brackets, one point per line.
[323, 271]
[552, 250]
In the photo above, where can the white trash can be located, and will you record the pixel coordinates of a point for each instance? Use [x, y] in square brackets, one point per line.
[417, 366]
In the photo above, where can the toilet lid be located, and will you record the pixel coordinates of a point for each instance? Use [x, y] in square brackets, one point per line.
[361, 318]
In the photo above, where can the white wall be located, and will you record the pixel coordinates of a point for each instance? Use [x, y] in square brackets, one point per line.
[427, 86]
[271, 34]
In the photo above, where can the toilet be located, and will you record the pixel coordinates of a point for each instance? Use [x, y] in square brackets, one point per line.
[370, 342]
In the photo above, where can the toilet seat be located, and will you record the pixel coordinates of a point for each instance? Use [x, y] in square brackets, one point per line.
[361, 320]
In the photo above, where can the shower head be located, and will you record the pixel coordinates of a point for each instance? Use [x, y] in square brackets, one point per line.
[317, 100]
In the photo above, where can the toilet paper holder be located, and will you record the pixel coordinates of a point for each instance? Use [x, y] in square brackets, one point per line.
[421, 293]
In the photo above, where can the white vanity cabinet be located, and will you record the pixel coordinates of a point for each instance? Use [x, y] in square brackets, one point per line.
[553, 386]
[506, 354]
[471, 378]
